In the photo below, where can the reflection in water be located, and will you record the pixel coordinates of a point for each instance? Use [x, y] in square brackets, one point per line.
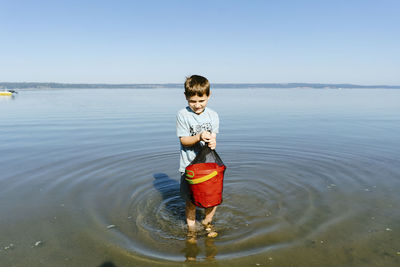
[192, 250]
[211, 248]
[7, 97]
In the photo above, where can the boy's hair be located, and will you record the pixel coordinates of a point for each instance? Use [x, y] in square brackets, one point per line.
[197, 85]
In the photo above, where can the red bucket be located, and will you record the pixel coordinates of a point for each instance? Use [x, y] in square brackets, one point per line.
[206, 183]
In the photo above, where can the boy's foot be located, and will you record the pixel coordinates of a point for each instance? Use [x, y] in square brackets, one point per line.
[210, 230]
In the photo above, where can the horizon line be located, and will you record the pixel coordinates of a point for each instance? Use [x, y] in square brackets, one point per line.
[215, 83]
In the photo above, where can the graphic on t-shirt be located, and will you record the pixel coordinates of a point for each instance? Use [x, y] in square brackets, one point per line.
[196, 129]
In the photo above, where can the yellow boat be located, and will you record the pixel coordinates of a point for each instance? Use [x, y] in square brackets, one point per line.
[7, 93]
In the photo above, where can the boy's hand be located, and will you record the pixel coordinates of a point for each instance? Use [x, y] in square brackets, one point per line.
[210, 138]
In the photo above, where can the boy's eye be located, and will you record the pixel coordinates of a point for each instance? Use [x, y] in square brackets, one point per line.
[197, 101]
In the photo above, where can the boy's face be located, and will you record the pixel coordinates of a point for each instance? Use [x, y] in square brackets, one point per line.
[198, 103]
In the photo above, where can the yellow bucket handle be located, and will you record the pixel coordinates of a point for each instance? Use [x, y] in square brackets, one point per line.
[202, 179]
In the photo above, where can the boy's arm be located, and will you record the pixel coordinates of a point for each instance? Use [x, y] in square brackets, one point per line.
[207, 137]
[190, 140]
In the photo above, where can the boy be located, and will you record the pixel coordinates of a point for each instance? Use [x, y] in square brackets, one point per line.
[196, 125]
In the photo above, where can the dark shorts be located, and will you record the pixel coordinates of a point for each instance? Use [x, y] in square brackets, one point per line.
[184, 188]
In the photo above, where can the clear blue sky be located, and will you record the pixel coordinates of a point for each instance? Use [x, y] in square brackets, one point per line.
[353, 41]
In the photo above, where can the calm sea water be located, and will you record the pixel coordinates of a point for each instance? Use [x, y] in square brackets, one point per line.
[89, 177]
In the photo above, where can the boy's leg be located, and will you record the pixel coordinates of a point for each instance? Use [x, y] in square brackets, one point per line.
[209, 215]
[190, 207]
[190, 215]
[207, 222]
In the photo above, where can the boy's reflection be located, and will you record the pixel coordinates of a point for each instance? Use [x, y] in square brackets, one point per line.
[211, 248]
[192, 250]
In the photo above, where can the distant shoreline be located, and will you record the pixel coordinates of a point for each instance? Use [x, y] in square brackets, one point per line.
[37, 85]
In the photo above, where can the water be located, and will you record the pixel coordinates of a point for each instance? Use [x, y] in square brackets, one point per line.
[89, 177]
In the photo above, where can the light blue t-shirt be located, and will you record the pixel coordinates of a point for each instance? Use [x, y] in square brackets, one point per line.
[189, 123]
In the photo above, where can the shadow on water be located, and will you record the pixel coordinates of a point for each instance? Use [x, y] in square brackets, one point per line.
[107, 264]
[169, 190]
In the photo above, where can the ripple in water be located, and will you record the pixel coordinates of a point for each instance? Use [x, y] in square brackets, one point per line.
[272, 199]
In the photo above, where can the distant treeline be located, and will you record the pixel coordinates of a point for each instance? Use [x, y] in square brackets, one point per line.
[24, 85]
